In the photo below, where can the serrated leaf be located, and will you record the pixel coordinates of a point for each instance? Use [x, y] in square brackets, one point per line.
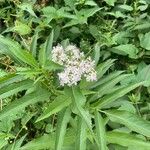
[110, 2]
[103, 89]
[9, 79]
[130, 120]
[33, 46]
[21, 28]
[52, 66]
[43, 142]
[13, 49]
[57, 105]
[127, 140]
[145, 41]
[19, 104]
[14, 88]
[96, 53]
[144, 75]
[27, 7]
[63, 119]
[126, 49]
[81, 135]
[77, 100]
[17, 144]
[126, 7]
[49, 44]
[106, 100]
[100, 131]
[107, 78]
[82, 16]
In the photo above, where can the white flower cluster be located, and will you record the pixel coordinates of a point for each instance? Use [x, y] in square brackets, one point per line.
[75, 63]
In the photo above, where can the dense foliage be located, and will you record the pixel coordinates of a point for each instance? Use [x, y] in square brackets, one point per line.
[111, 112]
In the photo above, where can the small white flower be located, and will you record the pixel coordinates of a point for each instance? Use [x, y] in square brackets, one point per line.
[75, 65]
[58, 55]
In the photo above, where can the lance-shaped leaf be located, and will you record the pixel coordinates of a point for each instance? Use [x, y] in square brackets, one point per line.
[130, 120]
[115, 95]
[100, 131]
[78, 101]
[57, 105]
[81, 135]
[19, 104]
[13, 88]
[127, 140]
[13, 49]
[63, 119]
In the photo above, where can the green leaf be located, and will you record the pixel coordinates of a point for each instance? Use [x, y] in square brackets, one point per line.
[115, 95]
[57, 105]
[81, 135]
[49, 44]
[130, 120]
[14, 88]
[110, 2]
[18, 143]
[96, 53]
[3, 143]
[27, 7]
[9, 79]
[145, 40]
[53, 13]
[126, 49]
[103, 88]
[100, 131]
[46, 49]
[90, 3]
[82, 16]
[13, 49]
[78, 101]
[126, 7]
[33, 47]
[127, 140]
[69, 3]
[21, 28]
[19, 104]
[107, 78]
[103, 67]
[52, 66]
[43, 142]
[144, 75]
[63, 119]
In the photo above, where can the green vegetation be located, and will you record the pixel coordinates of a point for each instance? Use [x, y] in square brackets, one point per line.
[55, 97]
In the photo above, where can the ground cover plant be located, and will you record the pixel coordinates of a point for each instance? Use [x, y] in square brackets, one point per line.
[74, 75]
